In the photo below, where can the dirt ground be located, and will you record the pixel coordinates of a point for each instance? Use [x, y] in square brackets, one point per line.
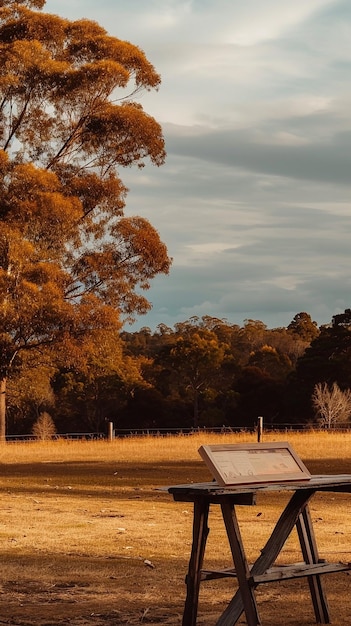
[96, 544]
[33, 604]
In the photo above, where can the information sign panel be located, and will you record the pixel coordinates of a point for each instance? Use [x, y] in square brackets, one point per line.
[236, 464]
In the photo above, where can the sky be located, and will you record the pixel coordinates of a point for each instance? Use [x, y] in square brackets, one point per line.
[254, 200]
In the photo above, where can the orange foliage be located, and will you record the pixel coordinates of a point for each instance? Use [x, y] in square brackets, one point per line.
[70, 263]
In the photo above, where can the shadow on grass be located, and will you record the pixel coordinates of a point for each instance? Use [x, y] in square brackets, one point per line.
[329, 466]
[95, 478]
[99, 478]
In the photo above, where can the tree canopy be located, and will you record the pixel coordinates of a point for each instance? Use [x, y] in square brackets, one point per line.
[203, 372]
[70, 261]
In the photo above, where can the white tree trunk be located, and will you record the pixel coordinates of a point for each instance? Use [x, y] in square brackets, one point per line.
[3, 409]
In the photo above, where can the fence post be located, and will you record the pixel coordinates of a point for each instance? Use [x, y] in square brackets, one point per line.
[259, 429]
[110, 431]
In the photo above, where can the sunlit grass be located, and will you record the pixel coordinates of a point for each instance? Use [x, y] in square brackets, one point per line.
[310, 445]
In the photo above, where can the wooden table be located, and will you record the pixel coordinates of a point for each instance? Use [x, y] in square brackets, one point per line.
[296, 513]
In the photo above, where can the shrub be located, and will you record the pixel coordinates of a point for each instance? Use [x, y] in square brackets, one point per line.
[44, 428]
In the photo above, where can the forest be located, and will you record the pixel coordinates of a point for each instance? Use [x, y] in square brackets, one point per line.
[201, 373]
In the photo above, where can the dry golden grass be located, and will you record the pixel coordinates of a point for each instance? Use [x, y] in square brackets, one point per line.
[80, 520]
[311, 445]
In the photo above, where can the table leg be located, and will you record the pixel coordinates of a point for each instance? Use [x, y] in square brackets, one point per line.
[240, 563]
[193, 578]
[310, 554]
[270, 552]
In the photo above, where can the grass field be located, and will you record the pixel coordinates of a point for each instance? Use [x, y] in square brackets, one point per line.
[87, 539]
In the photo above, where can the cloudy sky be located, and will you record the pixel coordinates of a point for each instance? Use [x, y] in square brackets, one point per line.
[254, 201]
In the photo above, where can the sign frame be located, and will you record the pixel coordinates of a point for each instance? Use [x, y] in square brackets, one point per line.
[252, 463]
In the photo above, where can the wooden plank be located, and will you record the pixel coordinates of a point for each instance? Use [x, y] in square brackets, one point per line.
[299, 570]
[310, 554]
[333, 483]
[245, 499]
[242, 569]
[193, 578]
[212, 574]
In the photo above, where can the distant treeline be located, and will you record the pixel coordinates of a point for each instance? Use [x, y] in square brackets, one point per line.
[204, 372]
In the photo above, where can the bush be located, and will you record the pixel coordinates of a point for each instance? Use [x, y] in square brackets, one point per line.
[332, 405]
[44, 428]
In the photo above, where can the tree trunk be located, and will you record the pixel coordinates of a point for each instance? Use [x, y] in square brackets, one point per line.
[196, 408]
[3, 409]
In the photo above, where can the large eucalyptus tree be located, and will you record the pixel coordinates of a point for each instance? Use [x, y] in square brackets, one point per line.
[70, 261]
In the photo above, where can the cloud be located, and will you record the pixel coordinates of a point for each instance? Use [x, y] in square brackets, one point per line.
[257, 152]
[254, 199]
